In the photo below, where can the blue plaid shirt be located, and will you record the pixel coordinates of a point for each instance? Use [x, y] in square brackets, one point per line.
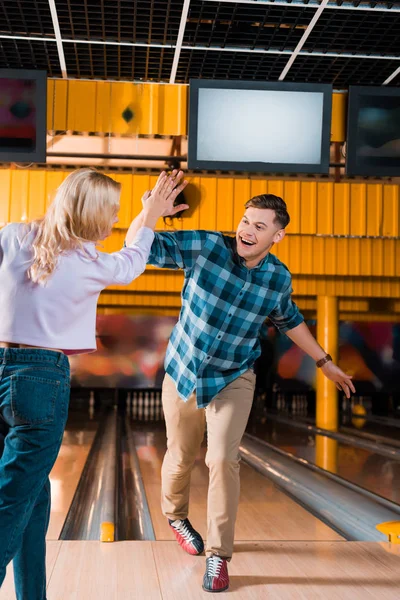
[224, 305]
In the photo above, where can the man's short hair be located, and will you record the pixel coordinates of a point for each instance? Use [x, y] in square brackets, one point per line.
[273, 203]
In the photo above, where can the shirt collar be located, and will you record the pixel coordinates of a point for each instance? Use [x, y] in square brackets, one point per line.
[238, 260]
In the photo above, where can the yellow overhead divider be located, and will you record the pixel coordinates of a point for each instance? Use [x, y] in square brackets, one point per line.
[117, 107]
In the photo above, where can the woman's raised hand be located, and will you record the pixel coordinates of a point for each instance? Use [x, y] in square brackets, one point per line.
[159, 202]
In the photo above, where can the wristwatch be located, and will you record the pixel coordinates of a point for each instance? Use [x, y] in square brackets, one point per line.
[322, 361]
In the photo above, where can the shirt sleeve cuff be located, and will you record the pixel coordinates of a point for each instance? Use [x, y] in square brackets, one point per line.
[145, 234]
[294, 322]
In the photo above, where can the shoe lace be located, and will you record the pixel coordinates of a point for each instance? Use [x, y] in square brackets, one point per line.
[214, 564]
[183, 529]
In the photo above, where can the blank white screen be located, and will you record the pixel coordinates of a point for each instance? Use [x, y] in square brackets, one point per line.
[259, 126]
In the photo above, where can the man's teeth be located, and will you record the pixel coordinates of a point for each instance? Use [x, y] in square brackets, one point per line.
[247, 242]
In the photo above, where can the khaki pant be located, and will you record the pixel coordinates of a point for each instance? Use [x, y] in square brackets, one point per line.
[226, 418]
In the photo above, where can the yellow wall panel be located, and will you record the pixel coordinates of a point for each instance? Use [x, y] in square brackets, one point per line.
[358, 213]
[339, 112]
[102, 111]
[5, 187]
[355, 250]
[81, 106]
[37, 194]
[156, 109]
[57, 104]
[282, 251]
[397, 259]
[225, 205]
[149, 109]
[19, 195]
[366, 257]
[389, 259]
[341, 209]
[325, 208]
[291, 195]
[208, 213]
[374, 209]
[318, 256]
[258, 187]
[126, 200]
[391, 213]
[308, 217]
[193, 198]
[306, 254]
[140, 185]
[276, 187]
[377, 258]
[127, 96]
[53, 180]
[344, 264]
[172, 113]
[330, 256]
[241, 193]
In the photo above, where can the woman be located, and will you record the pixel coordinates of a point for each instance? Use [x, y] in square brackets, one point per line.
[51, 276]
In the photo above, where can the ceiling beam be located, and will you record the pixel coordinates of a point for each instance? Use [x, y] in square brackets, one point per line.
[289, 52]
[58, 39]
[392, 76]
[113, 43]
[363, 6]
[210, 48]
[181, 33]
[77, 41]
[303, 39]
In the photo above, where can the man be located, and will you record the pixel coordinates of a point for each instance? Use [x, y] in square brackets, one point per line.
[231, 285]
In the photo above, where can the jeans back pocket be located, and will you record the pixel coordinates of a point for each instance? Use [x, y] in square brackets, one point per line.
[33, 398]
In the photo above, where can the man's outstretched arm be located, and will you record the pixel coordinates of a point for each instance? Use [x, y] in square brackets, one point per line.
[304, 339]
[287, 318]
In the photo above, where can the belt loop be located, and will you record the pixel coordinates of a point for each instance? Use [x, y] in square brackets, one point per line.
[5, 355]
[60, 358]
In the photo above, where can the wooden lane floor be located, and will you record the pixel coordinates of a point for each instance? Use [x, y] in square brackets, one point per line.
[273, 570]
[65, 475]
[265, 513]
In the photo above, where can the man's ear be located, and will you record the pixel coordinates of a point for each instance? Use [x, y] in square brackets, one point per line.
[279, 236]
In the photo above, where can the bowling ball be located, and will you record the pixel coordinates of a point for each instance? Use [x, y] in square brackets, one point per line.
[358, 411]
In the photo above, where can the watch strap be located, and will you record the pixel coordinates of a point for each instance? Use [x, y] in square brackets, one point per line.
[322, 361]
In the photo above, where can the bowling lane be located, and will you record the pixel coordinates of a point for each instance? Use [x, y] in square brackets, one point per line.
[265, 513]
[64, 477]
[371, 428]
[378, 474]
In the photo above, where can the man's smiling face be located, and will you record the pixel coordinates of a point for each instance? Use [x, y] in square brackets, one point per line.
[257, 232]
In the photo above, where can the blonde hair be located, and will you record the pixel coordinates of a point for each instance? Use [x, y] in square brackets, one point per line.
[83, 210]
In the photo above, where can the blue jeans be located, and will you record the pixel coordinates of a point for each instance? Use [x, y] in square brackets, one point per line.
[34, 396]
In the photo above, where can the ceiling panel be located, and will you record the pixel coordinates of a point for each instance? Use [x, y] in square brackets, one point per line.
[356, 31]
[238, 28]
[342, 72]
[25, 54]
[243, 25]
[118, 62]
[229, 65]
[155, 21]
[26, 17]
